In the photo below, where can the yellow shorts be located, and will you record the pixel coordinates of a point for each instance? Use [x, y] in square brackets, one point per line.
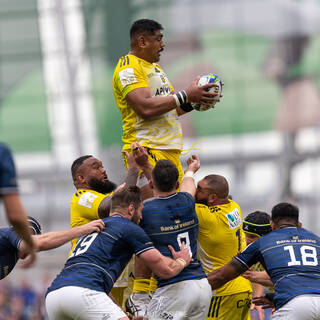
[158, 154]
[235, 307]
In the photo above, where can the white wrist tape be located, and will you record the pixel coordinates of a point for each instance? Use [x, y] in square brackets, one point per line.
[189, 174]
[182, 262]
[180, 97]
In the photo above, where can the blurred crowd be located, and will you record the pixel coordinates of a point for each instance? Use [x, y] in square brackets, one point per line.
[22, 301]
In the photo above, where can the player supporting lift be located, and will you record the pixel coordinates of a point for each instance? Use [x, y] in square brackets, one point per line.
[93, 198]
[220, 238]
[98, 259]
[290, 256]
[149, 106]
[170, 218]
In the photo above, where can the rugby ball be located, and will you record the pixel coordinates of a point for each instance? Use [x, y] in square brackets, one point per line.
[205, 79]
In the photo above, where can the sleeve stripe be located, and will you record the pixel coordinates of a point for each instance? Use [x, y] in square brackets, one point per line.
[242, 262]
[145, 249]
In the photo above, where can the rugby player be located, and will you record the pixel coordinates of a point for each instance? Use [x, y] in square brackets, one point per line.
[12, 248]
[9, 193]
[81, 289]
[150, 111]
[220, 238]
[289, 254]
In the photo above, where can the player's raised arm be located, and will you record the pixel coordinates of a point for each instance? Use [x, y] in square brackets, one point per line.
[141, 158]
[187, 184]
[56, 239]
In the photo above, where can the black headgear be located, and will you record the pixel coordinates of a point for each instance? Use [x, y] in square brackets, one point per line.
[34, 226]
[257, 223]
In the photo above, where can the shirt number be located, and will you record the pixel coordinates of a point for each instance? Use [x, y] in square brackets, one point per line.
[83, 244]
[184, 237]
[308, 256]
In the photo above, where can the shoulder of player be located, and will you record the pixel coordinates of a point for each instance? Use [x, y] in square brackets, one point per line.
[80, 192]
[127, 61]
[200, 206]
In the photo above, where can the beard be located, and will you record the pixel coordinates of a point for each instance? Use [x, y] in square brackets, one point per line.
[101, 186]
[202, 201]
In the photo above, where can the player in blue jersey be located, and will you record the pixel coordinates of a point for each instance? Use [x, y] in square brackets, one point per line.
[170, 218]
[12, 203]
[289, 254]
[81, 290]
[12, 248]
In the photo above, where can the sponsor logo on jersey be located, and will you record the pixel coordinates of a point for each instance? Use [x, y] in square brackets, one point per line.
[234, 219]
[87, 199]
[163, 90]
[127, 77]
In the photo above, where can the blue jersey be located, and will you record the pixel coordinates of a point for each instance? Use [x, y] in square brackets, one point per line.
[8, 183]
[172, 220]
[98, 259]
[9, 244]
[291, 258]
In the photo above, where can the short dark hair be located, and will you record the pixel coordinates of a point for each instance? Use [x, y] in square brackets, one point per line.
[165, 175]
[144, 25]
[257, 223]
[76, 165]
[285, 211]
[218, 184]
[126, 196]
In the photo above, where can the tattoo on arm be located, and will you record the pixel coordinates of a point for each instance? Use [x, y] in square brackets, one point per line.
[131, 177]
[104, 208]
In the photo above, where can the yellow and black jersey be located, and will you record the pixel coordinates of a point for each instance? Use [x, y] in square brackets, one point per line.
[160, 132]
[220, 238]
[84, 208]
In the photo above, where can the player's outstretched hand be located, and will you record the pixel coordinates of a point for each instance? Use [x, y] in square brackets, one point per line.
[140, 155]
[200, 94]
[193, 163]
[130, 159]
[93, 226]
[184, 253]
[29, 259]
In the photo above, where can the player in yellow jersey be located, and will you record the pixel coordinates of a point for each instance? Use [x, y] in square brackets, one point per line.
[149, 106]
[92, 199]
[220, 238]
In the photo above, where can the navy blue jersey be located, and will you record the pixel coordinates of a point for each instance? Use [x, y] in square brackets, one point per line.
[98, 259]
[172, 220]
[291, 258]
[9, 244]
[8, 183]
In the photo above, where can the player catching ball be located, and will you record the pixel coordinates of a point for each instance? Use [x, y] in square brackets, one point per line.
[150, 108]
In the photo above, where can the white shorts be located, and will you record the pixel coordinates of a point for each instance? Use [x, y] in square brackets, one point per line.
[82, 304]
[189, 299]
[304, 307]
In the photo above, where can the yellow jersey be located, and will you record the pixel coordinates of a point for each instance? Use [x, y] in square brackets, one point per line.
[220, 238]
[84, 208]
[160, 132]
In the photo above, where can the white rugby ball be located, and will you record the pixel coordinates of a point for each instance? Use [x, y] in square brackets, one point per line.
[209, 78]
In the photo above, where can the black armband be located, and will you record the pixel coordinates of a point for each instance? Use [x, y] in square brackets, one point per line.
[186, 107]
